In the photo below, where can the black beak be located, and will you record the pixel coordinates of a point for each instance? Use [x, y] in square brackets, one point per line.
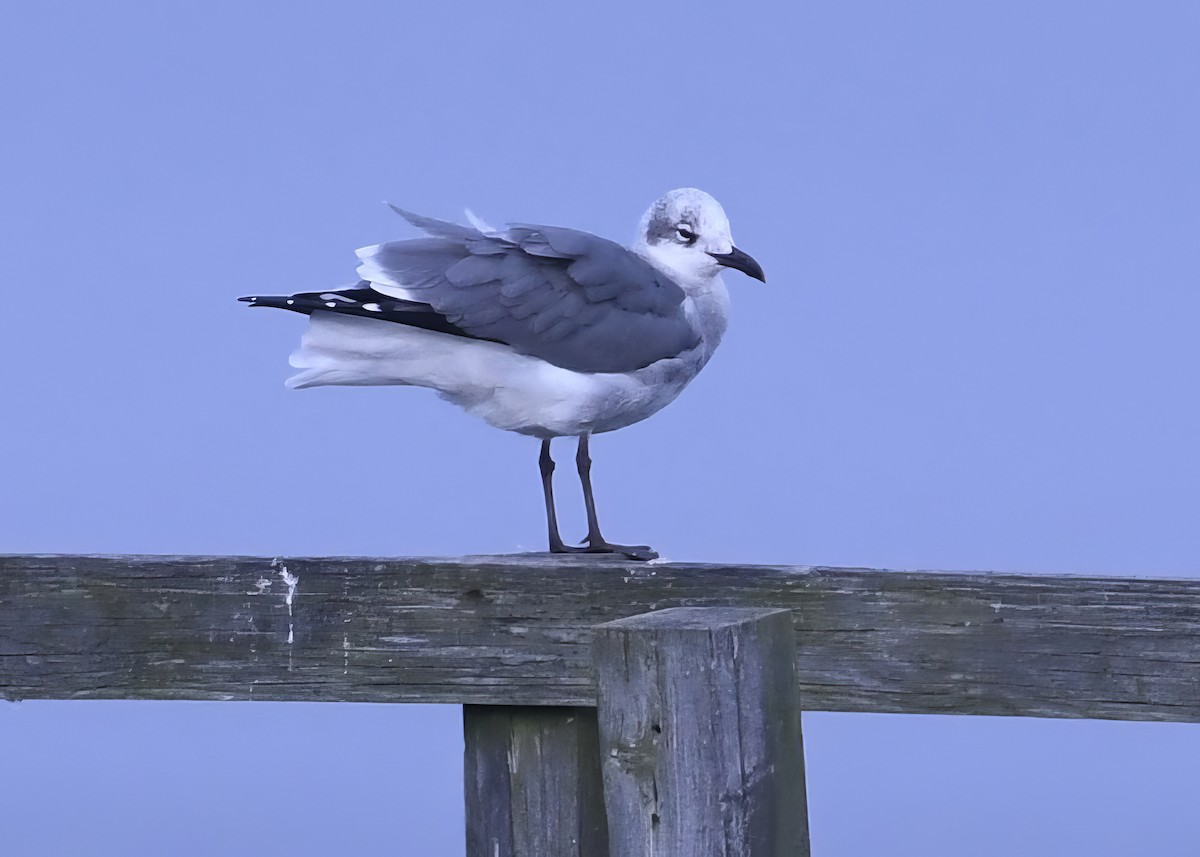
[743, 262]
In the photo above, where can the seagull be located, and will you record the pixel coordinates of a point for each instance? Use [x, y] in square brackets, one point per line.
[541, 330]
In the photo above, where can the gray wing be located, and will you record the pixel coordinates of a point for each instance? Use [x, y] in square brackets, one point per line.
[567, 297]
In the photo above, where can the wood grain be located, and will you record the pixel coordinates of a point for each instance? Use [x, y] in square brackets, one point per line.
[532, 782]
[517, 631]
[700, 733]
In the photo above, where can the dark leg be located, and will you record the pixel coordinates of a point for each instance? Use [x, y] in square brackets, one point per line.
[596, 542]
[583, 461]
[546, 464]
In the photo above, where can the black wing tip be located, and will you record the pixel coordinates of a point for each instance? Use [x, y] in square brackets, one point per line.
[273, 302]
[364, 302]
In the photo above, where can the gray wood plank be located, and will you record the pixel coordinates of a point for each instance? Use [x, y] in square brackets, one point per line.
[516, 630]
[532, 782]
[700, 733]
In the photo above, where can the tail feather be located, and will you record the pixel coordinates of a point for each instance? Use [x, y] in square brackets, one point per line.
[345, 350]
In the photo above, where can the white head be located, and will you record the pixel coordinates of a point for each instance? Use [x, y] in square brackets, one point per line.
[686, 234]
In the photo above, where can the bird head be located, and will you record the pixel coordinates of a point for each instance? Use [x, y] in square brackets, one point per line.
[686, 234]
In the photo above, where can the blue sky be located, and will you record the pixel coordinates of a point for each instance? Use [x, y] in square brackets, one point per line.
[977, 349]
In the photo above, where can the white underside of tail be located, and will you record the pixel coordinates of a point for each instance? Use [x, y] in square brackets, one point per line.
[511, 391]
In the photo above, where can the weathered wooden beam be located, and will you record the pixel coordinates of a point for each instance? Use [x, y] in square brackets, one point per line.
[532, 782]
[517, 630]
[700, 733]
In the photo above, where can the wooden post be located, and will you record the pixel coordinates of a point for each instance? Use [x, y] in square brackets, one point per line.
[532, 782]
[700, 741]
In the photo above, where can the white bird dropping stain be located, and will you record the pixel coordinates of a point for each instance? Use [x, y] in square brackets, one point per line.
[290, 581]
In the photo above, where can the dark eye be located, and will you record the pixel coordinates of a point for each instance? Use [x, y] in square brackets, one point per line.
[686, 235]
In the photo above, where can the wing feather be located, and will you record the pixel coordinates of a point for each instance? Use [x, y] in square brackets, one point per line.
[562, 295]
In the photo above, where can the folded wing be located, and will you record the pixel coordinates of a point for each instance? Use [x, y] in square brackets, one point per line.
[564, 296]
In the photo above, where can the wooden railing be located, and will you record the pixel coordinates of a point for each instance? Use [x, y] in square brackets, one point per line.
[601, 719]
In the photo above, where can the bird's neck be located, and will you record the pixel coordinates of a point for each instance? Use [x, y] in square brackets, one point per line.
[707, 301]
[708, 308]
